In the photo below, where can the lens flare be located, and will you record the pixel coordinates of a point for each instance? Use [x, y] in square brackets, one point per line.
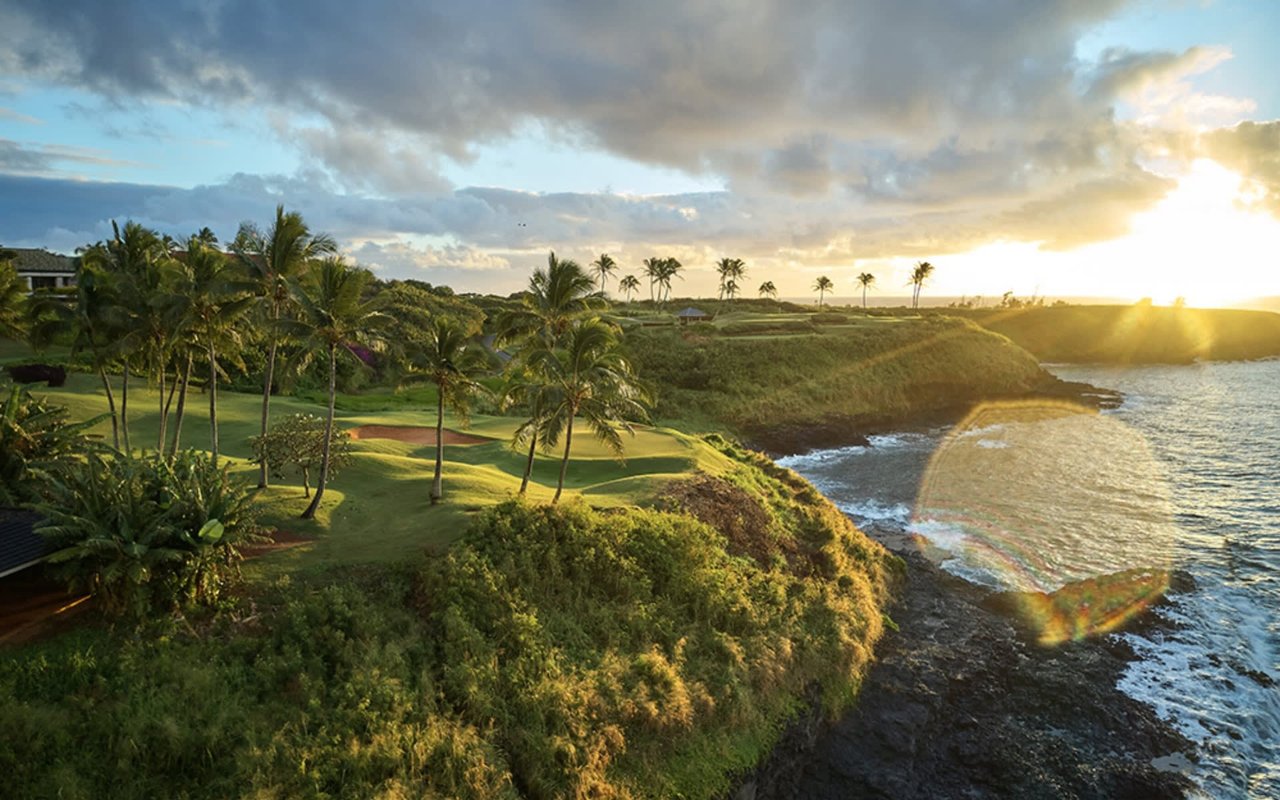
[1067, 507]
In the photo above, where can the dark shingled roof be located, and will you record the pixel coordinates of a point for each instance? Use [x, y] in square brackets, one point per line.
[28, 259]
[20, 545]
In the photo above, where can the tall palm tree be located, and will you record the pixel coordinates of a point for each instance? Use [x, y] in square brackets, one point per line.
[822, 285]
[555, 296]
[135, 260]
[272, 260]
[730, 270]
[93, 324]
[212, 293]
[629, 285]
[923, 270]
[587, 378]
[333, 316]
[604, 266]
[653, 268]
[668, 268]
[447, 358]
[865, 280]
[13, 301]
[767, 289]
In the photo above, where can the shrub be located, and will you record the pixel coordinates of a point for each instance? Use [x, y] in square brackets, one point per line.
[34, 433]
[828, 318]
[142, 533]
[296, 442]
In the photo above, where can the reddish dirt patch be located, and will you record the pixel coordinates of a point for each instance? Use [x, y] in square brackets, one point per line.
[412, 435]
[276, 540]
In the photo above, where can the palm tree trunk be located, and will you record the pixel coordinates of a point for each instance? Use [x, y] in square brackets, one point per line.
[564, 463]
[437, 485]
[528, 464]
[310, 513]
[124, 409]
[263, 479]
[164, 412]
[182, 409]
[213, 403]
[111, 406]
[864, 297]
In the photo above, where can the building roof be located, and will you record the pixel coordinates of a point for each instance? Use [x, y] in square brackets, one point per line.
[20, 545]
[692, 312]
[30, 259]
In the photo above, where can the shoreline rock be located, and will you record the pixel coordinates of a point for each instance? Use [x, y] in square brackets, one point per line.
[962, 703]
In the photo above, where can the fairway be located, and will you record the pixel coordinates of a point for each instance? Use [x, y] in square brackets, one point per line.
[378, 509]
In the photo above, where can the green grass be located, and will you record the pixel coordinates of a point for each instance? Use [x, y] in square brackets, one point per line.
[378, 509]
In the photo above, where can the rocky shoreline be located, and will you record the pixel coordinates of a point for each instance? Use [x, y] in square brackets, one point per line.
[844, 430]
[962, 703]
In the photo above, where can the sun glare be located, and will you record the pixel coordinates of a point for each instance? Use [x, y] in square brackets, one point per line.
[1208, 242]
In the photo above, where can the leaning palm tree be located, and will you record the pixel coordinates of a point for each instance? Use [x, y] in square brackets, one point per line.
[333, 316]
[629, 285]
[555, 296]
[923, 270]
[587, 378]
[526, 389]
[767, 289]
[447, 357]
[730, 270]
[13, 301]
[653, 268]
[604, 266]
[822, 285]
[865, 280]
[272, 259]
[668, 268]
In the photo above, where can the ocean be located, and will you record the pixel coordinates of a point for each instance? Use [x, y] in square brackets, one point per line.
[1183, 479]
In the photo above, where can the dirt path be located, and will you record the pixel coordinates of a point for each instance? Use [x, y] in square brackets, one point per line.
[412, 435]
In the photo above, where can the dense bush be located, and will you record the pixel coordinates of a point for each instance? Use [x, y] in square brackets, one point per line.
[34, 433]
[828, 318]
[768, 326]
[554, 652]
[142, 534]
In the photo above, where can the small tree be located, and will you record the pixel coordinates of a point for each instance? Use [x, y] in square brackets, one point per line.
[767, 289]
[629, 285]
[865, 280]
[296, 442]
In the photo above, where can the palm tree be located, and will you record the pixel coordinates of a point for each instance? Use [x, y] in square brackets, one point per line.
[94, 325]
[525, 388]
[272, 260]
[212, 293]
[629, 285]
[587, 378]
[604, 267]
[555, 296]
[653, 271]
[767, 289]
[13, 301]
[865, 279]
[447, 358]
[731, 289]
[333, 316]
[919, 275]
[668, 268]
[822, 285]
[730, 270]
[133, 260]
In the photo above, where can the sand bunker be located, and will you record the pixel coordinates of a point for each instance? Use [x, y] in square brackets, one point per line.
[412, 435]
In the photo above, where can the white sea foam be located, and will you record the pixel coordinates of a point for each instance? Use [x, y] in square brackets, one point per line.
[873, 511]
[992, 444]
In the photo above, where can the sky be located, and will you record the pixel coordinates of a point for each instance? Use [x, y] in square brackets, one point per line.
[1047, 147]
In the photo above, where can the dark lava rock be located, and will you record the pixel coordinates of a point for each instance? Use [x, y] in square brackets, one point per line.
[961, 703]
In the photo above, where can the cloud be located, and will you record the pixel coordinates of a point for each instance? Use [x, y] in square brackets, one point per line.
[1253, 150]
[9, 115]
[26, 159]
[841, 128]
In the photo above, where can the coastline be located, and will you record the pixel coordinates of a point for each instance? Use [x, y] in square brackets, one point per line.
[961, 702]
